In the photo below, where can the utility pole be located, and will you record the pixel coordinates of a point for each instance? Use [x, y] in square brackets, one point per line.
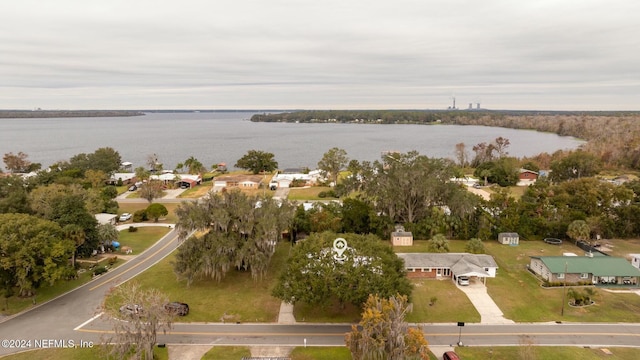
[564, 288]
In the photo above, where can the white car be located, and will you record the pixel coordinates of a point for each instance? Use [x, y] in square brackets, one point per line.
[124, 217]
[463, 280]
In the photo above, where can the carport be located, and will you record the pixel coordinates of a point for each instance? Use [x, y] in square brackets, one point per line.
[188, 183]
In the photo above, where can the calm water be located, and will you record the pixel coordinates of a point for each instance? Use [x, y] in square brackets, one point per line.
[226, 136]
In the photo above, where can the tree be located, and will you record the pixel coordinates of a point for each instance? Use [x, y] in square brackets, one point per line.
[13, 195]
[156, 211]
[257, 162]
[314, 276]
[105, 159]
[474, 246]
[332, 162]
[142, 173]
[151, 190]
[239, 231]
[193, 165]
[439, 244]
[16, 163]
[144, 317]
[33, 251]
[153, 163]
[461, 155]
[405, 187]
[574, 166]
[383, 332]
[96, 178]
[579, 230]
[107, 233]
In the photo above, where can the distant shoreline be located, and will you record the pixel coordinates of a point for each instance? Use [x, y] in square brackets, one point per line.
[28, 114]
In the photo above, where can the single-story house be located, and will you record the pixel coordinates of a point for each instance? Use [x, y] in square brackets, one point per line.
[635, 260]
[284, 179]
[104, 218]
[603, 270]
[238, 181]
[168, 177]
[509, 238]
[449, 265]
[400, 237]
[527, 177]
[126, 178]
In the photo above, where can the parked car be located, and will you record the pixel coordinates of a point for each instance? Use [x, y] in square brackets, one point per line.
[124, 217]
[177, 308]
[133, 188]
[450, 355]
[463, 280]
[130, 309]
[476, 186]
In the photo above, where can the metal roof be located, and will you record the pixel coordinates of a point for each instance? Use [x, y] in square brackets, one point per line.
[597, 265]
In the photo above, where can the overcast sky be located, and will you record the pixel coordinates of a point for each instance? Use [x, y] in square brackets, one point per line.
[297, 54]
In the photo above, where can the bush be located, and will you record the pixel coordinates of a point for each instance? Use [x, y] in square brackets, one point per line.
[140, 216]
[133, 229]
[326, 194]
[112, 260]
[99, 270]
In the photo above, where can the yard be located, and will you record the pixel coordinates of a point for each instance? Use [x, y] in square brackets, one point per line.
[308, 193]
[133, 207]
[515, 288]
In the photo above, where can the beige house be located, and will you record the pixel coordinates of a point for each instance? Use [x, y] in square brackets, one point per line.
[400, 237]
[449, 265]
[237, 181]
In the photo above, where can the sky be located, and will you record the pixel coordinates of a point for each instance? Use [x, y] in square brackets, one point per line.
[299, 54]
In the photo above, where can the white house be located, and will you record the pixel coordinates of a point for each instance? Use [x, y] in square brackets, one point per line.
[449, 265]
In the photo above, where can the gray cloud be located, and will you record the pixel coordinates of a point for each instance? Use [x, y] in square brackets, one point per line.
[331, 54]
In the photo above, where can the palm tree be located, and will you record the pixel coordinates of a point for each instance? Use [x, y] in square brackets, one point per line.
[578, 230]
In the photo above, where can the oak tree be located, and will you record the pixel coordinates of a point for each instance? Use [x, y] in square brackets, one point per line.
[332, 162]
[257, 162]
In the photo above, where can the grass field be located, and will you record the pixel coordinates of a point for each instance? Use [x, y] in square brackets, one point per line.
[515, 289]
[143, 238]
[308, 193]
[209, 300]
[96, 352]
[545, 352]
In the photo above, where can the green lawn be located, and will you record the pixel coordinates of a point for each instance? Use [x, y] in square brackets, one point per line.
[96, 352]
[14, 304]
[237, 295]
[227, 353]
[514, 289]
[544, 352]
[143, 238]
[308, 193]
[321, 353]
[171, 218]
[451, 304]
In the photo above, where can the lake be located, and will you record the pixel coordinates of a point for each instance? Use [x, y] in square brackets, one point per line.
[214, 137]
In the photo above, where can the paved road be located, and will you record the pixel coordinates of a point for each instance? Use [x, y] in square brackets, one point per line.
[58, 318]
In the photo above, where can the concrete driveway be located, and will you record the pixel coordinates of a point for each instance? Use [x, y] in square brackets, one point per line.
[490, 313]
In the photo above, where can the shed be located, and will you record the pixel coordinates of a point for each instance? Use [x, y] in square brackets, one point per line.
[400, 237]
[509, 238]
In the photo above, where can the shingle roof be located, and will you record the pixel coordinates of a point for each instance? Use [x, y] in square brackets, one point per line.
[459, 263]
[598, 265]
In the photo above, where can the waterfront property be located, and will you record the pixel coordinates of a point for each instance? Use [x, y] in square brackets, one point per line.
[237, 181]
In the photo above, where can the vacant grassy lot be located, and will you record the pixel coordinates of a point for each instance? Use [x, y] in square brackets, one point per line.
[237, 295]
[143, 238]
[544, 352]
[521, 298]
[227, 353]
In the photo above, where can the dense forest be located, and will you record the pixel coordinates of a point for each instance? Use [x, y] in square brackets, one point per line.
[613, 137]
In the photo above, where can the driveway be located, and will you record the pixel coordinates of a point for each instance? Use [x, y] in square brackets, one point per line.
[490, 313]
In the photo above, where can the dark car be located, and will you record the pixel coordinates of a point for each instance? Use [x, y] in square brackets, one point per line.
[553, 241]
[177, 308]
[450, 355]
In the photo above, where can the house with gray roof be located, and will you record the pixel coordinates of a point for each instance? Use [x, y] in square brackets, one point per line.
[449, 265]
[596, 270]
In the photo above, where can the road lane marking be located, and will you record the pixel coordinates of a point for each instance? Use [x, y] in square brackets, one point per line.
[136, 265]
[342, 334]
[88, 321]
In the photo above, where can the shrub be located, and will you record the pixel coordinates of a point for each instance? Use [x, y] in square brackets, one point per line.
[99, 270]
[140, 216]
[326, 194]
[112, 260]
[133, 229]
